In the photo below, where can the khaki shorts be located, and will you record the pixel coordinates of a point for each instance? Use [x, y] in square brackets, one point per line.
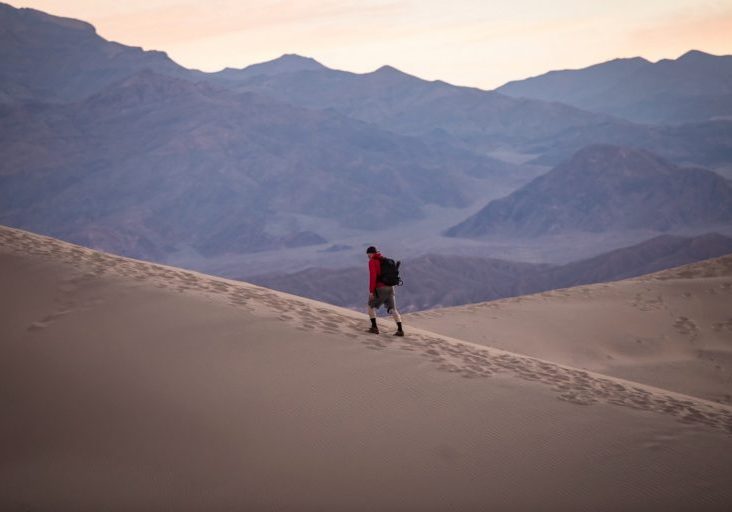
[384, 296]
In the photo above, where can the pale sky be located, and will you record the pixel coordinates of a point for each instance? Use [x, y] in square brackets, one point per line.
[466, 42]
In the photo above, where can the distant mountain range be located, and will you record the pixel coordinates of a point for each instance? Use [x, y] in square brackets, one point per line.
[474, 119]
[439, 280]
[695, 87]
[124, 150]
[48, 58]
[606, 188]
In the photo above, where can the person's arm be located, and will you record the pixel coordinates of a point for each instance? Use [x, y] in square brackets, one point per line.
[374, 268]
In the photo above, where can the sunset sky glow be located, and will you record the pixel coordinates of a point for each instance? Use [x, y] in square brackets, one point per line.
[466, 42]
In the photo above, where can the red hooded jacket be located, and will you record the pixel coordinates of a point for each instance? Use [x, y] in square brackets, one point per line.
[374, 271]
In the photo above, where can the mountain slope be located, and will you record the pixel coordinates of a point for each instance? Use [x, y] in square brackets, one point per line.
[50, 58]
[670, 329]
[695, 87]
[605, 188]
[124, 381]
[153, 164]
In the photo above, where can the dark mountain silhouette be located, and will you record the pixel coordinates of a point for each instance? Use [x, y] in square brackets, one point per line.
[607, 188]
[50, 58]
[695, 87]
[439, 280]
[153, 162]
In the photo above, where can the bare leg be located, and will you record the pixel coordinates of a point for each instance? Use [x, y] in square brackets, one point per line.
[395, 314]
[392, 308]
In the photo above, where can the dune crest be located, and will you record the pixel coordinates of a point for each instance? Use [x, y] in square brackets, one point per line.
[670, 329]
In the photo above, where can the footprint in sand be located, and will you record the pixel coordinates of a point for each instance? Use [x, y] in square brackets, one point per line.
[686, 326]
[37, 326]
[723, 326]
[47, 320]
[644, 303]
[572, 386]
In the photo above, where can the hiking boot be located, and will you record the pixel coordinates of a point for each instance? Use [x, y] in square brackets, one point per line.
[399, 333]
[373, 330]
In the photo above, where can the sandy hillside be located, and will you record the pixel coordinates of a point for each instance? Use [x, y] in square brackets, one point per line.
[671, 329]
[127, 386]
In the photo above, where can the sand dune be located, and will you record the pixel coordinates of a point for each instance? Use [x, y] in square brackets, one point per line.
[127, 385]
[671, 329]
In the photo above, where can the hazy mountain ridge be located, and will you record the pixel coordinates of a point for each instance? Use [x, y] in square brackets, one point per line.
[440, 281]
[475, 119]
[388, 97]
[478, 120]
[695, 87]
[471, 118]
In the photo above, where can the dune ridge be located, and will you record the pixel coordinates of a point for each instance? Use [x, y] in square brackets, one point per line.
[671, 329]
[468, 359]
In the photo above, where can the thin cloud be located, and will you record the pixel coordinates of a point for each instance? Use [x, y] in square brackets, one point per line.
[191, 21]
[683, 31]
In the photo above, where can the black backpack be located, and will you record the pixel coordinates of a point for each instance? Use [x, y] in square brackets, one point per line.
[389, 274]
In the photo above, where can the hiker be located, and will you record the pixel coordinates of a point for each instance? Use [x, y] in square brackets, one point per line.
[380, 293]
